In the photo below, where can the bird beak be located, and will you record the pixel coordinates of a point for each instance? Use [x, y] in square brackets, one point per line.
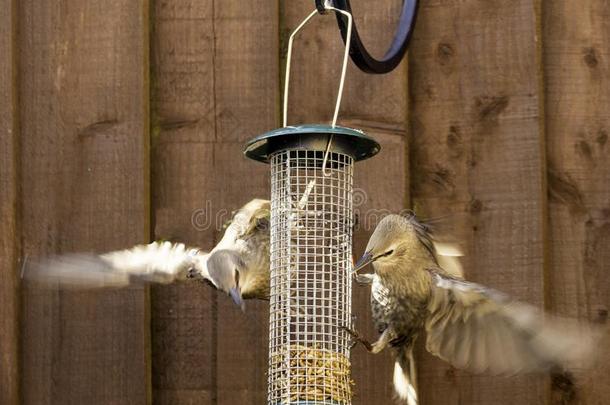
[365, 260]
[237, 299]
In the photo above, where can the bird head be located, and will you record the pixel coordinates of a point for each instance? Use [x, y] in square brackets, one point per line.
[388, 242]
[225, 267]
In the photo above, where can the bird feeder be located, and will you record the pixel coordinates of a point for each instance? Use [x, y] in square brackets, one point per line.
[311, 251]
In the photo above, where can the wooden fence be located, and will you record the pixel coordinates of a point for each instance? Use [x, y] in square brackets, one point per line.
[121, 119]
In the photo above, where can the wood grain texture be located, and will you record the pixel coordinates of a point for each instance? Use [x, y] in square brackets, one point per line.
[183, 315]
[84, 163]
[217, 85]
[478, 152]
[247, 83]
[376, 104]
[577, 74]
[462, 133]
[9, 179]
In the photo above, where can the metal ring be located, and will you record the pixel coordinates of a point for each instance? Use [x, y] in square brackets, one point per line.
[361, 57]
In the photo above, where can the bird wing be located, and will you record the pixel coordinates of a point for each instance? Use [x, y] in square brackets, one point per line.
[158, 262]
[480, 329]
[248, 236]
[251, 217]
[445, 253]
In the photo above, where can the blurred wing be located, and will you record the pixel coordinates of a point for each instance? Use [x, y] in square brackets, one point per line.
[447, 256]
[158, 262]
[252, 217]
[154, 263]
[248, 237]
[445, 253]
[479, 329]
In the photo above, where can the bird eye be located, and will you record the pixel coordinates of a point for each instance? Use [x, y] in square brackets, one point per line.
[389, 252]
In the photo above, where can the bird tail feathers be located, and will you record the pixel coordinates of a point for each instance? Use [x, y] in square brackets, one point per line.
[405, 376]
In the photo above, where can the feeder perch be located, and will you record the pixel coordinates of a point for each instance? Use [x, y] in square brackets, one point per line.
[311, 253]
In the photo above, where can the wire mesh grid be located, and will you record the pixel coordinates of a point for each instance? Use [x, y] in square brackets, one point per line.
[311, 253]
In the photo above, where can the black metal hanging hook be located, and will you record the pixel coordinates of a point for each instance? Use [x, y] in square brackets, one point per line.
[321, 7]
[360, 56]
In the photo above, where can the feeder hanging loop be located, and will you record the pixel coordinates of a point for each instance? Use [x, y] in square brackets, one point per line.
[349, 20]
[358, 52]
[310, 246]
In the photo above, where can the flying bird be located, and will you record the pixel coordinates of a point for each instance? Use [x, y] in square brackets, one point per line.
[241, 258]
[417, 286]
[238, 265]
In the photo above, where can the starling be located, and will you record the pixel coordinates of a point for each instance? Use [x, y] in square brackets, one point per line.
[238, 265]
[415, 289]
[240, 261]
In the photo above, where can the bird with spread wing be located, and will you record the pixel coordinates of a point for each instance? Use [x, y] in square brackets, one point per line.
[238, 265]
[418, 287]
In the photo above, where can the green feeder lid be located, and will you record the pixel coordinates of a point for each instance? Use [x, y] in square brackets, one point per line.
[312, 137]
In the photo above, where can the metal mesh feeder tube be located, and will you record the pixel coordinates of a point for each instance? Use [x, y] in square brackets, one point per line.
[311, 248]
[311, 259]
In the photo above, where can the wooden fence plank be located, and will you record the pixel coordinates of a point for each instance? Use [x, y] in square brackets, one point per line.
[9, 281]
[247, 97]
[577, 68]
[217, 84]
[478, 150]
[183, 315]
[84, 164]
[376, 104]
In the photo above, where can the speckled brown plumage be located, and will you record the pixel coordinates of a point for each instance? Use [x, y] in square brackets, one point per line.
[466, 324]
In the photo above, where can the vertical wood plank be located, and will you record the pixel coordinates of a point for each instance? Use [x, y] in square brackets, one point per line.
[84, 164]
[183, 315]
[247, 98]
[376, 104]
[478, 150]
[577, 74]
[9, 281]
[217, 85]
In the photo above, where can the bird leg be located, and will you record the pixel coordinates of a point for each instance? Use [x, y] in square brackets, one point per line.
[364, 279]
[358, 338]
[376, 347]
[386, 337]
